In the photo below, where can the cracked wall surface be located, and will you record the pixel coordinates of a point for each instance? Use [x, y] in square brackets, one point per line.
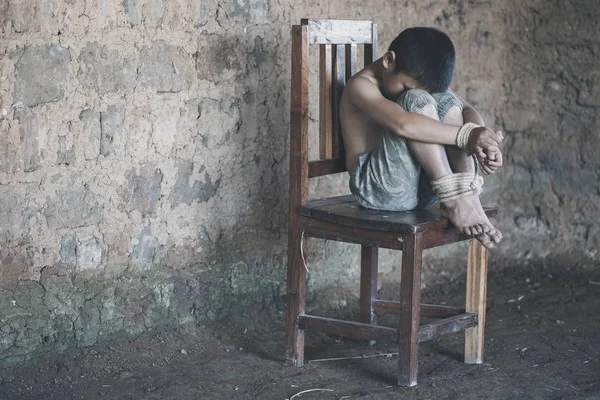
[144, 153]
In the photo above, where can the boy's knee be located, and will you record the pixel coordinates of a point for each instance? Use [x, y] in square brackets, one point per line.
[445, 101]
[415, 100]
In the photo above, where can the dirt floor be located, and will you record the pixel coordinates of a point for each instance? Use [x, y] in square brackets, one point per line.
[542, 342]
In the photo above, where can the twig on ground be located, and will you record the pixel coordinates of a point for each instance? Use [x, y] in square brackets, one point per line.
[594, 283]
[354, 357]
[309, 390]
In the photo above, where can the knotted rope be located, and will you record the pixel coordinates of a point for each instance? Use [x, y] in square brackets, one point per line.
[453, 186]
[462, 137]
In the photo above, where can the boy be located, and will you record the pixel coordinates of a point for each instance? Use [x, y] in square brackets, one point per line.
[399, 117]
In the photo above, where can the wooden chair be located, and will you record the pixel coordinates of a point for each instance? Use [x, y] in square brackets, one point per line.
[342, 219]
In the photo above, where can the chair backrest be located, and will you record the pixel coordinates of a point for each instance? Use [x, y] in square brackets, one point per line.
[338, 42]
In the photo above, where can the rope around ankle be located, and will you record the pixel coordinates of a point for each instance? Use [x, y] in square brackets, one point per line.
[453, 186]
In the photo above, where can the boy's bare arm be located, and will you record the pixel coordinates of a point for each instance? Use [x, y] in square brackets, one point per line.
[365, 95]
[368, 98]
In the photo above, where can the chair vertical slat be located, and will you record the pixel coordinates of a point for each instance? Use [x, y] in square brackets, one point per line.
[325, 102]
[339, 81]
[370, 53]
[299, 117]
[351, 60]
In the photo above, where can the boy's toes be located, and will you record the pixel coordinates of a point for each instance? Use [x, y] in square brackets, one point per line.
[496, 237]
[478, 229]
[488, 228]
[486, 241]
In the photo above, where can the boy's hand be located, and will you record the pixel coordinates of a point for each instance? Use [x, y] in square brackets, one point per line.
[491, 163]
[484, 143]
[482, 140]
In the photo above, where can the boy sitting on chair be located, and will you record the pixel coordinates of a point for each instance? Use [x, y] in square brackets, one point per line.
[409, 139]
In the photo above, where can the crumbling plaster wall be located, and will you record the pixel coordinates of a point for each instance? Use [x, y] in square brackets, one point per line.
[144, 165]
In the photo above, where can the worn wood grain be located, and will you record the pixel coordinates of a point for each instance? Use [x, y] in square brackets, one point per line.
[315, 203]
[298, 194]
[476, 300]
[339, 81]
[325, 102]
[440, 237]
[426, 310]
[369, 257]
[329, 231]
[326, 167]
[351, 60]
[402, 222]
[323, 31]
[370, 51]
[442, 327]
[410, 302]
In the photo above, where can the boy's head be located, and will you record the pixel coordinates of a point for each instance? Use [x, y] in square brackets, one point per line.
[425, 55]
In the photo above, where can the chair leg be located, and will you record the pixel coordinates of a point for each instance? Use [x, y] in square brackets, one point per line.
[368, 282]
[477, 265]
[296, 296]
[410, 302]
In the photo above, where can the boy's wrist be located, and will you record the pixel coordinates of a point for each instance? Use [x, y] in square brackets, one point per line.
[462, 137]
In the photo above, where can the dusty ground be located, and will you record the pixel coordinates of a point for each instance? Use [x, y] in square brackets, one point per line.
[543, 342]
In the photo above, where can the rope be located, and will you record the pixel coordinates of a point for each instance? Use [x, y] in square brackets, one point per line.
[462, 142]
[302, 251]
[453, 186]
[462, 137]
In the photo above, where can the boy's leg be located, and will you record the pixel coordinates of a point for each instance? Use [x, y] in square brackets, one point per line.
[462, 211]
[450, 112]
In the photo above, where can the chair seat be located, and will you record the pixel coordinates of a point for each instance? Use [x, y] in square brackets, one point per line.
[345, 210]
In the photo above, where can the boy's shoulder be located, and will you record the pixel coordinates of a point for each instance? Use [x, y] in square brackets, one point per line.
[361, 85]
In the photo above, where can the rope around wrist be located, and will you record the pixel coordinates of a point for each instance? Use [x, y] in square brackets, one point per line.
[462, 137]
[453, 186]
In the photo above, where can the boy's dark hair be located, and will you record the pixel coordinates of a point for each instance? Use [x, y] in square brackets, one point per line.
[426, 54]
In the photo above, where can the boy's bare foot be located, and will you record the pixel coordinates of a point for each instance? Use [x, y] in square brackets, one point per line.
[468, 216]
[496, 235]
